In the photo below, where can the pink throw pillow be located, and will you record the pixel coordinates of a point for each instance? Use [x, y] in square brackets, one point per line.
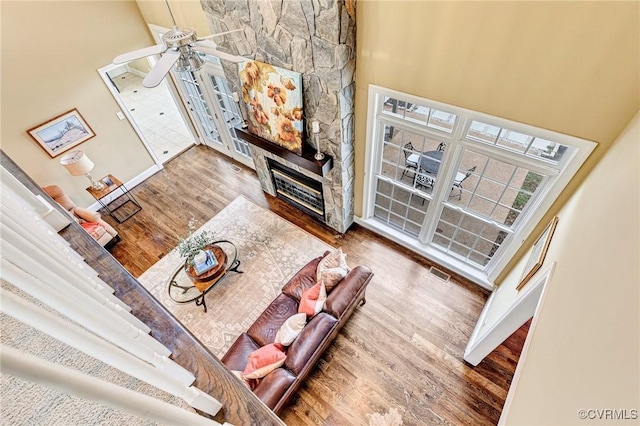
[264, 360]
[313, 299]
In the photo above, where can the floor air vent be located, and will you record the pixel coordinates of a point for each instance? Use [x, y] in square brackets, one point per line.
[440, 274]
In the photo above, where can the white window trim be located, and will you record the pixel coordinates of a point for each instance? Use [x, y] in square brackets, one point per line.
[568, 166]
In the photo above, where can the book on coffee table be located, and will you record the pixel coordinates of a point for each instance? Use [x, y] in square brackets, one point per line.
[206, 265]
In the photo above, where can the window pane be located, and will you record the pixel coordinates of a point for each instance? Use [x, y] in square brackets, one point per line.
[548, 150]
[495, 189]
[471, 238]
[483, 132]
[406, 110]
[513, 140]
[441, 120]
[410, 158]
[399, 208]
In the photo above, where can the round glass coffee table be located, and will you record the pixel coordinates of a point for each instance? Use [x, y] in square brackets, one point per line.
[183, 290]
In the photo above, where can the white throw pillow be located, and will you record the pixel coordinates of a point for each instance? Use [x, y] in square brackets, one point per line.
[332, 269]
[290, 329]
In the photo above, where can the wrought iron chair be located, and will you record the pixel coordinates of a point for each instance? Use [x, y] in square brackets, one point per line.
[411, 158]
[424, 179]
[458, 183]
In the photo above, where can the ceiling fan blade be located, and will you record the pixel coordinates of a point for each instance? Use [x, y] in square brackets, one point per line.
[222, 55]
[161, 69]
[140, 53]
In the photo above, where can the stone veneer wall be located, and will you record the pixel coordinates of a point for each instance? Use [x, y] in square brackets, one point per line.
[316, 38]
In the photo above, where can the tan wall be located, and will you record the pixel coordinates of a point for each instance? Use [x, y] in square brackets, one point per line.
[50, 54]
[585, 348]
[570, 67]
[187, 13]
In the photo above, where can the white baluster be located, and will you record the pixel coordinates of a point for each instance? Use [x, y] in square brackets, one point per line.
[92, 315]
[68, 285]
[173, 379]
[34, 369]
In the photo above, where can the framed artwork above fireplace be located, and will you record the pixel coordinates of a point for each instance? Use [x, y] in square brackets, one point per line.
[273, 97]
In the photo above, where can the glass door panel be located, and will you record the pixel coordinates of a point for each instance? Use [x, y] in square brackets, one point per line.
[210, 101]
[230, 113]
[199, 108]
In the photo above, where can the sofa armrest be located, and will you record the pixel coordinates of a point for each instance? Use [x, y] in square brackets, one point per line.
[310, 344]
[271, 388]
[86, 214]
[344, 294]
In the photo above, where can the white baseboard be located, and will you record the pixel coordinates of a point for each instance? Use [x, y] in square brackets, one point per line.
[129, 184]
[136, 72]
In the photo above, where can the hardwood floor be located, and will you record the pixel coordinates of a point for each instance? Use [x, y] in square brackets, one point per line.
[401, 350]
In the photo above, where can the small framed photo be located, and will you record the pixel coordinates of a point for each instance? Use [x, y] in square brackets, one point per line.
[538, 253]
[62, 133]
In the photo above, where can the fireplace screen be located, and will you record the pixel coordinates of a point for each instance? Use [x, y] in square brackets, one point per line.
[298, 189]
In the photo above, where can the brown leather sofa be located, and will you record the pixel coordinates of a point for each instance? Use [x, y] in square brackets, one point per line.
[277, 387]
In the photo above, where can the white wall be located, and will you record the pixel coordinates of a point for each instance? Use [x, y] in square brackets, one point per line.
[584, 350]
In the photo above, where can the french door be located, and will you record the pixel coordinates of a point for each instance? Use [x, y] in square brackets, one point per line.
[461, 187]
[209, 100]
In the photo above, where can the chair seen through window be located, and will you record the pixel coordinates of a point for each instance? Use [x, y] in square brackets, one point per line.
[458, 183]
[411, 158]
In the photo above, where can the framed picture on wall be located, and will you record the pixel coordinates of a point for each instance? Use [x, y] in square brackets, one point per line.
[61, 133]
[538, 253]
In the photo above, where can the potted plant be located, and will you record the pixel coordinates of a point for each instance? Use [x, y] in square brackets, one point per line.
[193, 247]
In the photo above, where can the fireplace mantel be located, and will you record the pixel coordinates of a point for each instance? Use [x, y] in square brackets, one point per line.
[306, 161]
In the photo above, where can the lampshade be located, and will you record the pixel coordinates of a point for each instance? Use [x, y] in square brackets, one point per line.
[77, 163]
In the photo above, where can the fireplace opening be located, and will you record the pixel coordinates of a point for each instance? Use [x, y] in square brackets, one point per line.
[297, 189]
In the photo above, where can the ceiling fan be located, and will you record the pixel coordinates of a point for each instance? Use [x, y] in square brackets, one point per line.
[179, 46]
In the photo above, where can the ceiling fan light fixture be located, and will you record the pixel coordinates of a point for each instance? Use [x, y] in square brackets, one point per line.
[189, 60]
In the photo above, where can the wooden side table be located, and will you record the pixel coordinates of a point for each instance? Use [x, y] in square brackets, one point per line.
[112, 184]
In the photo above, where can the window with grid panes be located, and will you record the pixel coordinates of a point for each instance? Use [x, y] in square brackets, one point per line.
[459, 185]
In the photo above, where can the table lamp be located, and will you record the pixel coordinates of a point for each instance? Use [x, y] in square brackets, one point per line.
[77, 163]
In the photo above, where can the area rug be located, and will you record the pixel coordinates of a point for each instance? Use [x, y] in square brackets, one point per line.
[271, 250]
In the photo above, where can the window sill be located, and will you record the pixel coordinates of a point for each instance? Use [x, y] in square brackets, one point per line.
[477, 276]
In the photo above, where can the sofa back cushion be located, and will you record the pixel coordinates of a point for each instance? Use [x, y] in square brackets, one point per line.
[263, 331]
[303, 279]
[308, 342]
[342, 296]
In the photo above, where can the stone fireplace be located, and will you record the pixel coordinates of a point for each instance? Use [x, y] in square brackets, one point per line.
[317, 39]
